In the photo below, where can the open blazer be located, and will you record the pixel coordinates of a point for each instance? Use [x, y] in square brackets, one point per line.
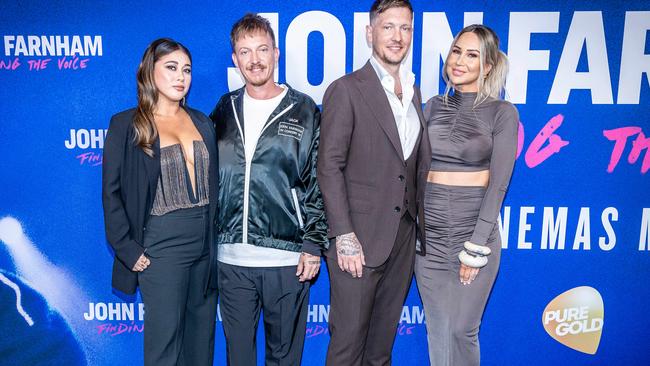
[129, 182]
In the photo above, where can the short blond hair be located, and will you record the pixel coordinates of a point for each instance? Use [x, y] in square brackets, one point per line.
[250, 24]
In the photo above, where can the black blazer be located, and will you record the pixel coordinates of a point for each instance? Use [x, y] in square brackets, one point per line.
[129, 181]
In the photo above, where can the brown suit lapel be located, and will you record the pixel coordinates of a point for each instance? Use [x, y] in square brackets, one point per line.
[374, 95]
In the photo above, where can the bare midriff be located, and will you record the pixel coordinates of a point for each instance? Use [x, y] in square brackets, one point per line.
[466, 179]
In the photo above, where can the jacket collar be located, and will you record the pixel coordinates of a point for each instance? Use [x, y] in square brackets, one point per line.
[237, 97]
[152, 167]
[375, 96]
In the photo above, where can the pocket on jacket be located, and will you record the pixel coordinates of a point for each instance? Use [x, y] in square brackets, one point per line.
[361, 185]
[359, 206]
[360, 197]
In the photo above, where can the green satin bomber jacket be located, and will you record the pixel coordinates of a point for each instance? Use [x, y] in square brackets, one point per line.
[284, 205]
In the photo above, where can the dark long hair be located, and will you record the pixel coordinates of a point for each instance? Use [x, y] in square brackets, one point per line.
[143, 121]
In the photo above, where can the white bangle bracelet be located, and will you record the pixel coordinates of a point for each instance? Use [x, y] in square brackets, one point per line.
[480, 250]
[471, 260]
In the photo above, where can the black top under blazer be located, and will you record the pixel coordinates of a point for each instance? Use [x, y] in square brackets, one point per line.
[129, 182]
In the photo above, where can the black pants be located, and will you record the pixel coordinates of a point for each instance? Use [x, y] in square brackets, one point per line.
[365, 311]
[179, 317]
[243, 292]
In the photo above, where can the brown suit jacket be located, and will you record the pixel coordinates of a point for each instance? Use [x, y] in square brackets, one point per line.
[360, 161]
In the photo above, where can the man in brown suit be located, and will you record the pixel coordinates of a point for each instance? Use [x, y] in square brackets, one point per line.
[373, 160]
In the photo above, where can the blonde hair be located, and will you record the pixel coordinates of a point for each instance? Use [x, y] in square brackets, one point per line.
[492, 84]
[250, 24]
[143, 121]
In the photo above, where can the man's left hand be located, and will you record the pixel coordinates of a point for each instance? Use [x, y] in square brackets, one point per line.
[308, 267]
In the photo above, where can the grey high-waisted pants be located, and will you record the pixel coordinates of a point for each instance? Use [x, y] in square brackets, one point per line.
[453, 311]
[179, 316]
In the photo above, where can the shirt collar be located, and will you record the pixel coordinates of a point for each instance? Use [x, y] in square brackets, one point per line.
[407, 77]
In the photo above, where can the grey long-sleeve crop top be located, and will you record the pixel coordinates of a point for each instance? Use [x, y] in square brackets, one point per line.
[466, 138]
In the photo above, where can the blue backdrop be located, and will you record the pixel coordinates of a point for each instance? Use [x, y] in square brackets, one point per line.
[577, 213]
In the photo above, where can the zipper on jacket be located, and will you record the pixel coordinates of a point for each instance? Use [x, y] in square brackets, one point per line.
[296, 205]
[247, 172]
[241, 133]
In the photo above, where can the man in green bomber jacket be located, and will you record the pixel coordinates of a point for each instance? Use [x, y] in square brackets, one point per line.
[271, 224]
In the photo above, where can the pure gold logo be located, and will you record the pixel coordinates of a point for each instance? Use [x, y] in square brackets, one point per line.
[575, 319]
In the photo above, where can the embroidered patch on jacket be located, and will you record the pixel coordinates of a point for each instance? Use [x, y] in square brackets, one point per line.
[290, 130]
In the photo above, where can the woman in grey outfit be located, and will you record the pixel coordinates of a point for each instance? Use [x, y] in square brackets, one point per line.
[473, 134]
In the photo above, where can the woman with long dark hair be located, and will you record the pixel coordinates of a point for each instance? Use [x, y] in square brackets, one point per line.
[159, 191]
[473, 135]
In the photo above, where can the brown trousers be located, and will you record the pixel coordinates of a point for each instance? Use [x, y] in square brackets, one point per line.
[365, 311]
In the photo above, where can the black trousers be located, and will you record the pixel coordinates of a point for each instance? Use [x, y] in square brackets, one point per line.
[364, 312]
[179, 317]
[275, 290]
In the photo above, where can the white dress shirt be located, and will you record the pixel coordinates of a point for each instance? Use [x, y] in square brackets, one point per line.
[406, 116]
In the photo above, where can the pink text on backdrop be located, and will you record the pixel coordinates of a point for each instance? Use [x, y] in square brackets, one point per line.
[620, 137]
[404, 329]
[38, 64]
[73, 63]
[319, 330]
[113, 329]
[544, 145]
[90, 158]
[316, 330]
[10, 64]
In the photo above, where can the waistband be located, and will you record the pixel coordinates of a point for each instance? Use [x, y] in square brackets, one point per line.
[445, 187]
[185, 212]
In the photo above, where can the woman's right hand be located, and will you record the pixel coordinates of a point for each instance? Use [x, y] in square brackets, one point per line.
[467, 274]
[142, 264]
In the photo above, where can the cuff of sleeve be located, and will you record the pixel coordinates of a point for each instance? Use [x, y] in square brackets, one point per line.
[312, 248]
[482, 232]
[130, 254]
[340, 228]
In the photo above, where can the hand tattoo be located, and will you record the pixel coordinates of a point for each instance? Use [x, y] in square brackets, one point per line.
[310, 259]
[348, 245]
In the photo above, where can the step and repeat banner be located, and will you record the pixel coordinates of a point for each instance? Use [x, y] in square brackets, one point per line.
[573, 284]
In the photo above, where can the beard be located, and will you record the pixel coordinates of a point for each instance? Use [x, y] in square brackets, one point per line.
[390, 58]
[259, 81]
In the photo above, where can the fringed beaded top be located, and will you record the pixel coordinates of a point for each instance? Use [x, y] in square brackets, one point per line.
[174, 189]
